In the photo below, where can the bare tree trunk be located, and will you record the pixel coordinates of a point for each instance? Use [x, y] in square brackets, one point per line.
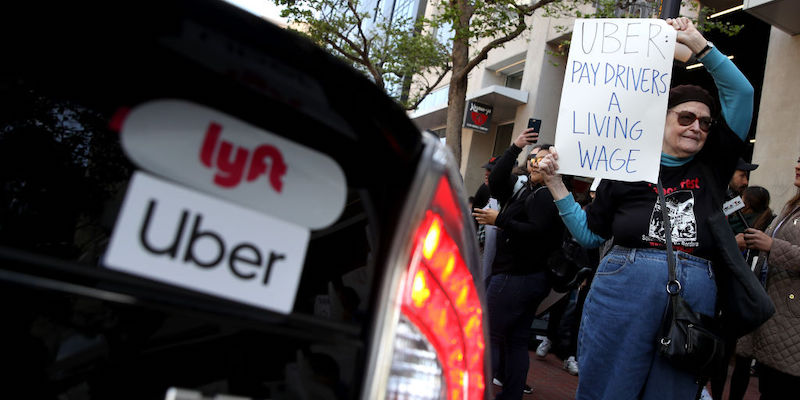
[457, 93]
[455, 115]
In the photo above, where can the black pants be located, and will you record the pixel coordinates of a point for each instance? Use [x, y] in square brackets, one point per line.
[774, 384]
[740, 378]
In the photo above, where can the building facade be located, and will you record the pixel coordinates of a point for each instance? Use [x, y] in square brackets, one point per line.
[524, 79]
[777, 141]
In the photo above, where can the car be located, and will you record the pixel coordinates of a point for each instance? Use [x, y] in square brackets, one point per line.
[197, 203]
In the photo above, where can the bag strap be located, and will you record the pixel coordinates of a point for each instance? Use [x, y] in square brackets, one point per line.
[673, 286]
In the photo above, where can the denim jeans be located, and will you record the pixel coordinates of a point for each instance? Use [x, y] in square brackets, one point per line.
[621, 322]
[512, 301]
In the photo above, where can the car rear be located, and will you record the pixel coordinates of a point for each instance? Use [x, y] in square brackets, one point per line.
[196, 202]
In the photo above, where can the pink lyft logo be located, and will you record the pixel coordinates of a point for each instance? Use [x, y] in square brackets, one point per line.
[230, 170]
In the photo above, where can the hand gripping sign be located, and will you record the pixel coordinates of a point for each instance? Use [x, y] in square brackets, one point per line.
[613, 103]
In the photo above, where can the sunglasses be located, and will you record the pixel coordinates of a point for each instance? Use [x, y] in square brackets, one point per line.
[686, 118]
[535, 160]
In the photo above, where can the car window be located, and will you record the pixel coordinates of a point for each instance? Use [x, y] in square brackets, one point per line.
[79, 329]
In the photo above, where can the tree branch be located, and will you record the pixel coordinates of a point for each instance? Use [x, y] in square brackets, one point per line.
[352, 56]
[494, 44]
[522, 12]
[359, 24]
[529, 9]
[428, 89]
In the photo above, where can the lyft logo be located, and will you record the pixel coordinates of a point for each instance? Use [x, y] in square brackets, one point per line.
[225, 157]
[185, 238]
[231, 161]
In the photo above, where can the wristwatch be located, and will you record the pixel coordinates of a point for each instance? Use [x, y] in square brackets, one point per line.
[705, 50]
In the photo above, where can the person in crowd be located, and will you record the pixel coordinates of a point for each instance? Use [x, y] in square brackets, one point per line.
[551, 337]
[736, 187]
[518, 179]
[776, 343]
[528, 230]
[481, 197]
[573, 313]
[486, 233]
[756, 211]
[756, 207]
[623, 310]
[562, 325]
[741, 177]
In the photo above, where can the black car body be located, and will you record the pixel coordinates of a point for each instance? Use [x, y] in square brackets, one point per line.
[100, 97]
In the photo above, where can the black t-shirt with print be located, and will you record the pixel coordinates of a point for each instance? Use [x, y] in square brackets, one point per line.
[629, 211]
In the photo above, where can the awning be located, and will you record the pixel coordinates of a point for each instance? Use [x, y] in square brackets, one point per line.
[504, 100]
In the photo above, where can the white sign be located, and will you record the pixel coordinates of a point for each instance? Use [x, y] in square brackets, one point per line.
[224, 156]
[614, 100]
[175, 235]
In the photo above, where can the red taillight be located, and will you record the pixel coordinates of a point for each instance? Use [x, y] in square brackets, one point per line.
[440, 299]
[116, 121]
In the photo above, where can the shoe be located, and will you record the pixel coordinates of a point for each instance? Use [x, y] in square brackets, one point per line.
[571, 365]
[526, 390]
[544, 347]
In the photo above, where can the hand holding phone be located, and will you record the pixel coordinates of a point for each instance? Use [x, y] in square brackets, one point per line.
[536, 124]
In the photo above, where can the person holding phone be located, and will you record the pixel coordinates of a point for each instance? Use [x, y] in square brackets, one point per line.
[624, 307]
[528, 230]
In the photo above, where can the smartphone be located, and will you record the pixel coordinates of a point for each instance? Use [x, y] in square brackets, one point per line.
[536, 124]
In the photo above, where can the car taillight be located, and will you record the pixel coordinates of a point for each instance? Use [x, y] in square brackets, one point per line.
[439, 341]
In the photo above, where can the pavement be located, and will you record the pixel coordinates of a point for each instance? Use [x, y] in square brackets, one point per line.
[551, 382]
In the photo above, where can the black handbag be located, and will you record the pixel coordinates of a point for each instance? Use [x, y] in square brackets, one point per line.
[567, 265]
[687, 340]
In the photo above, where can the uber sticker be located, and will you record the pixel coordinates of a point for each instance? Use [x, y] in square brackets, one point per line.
[178, 236]
[224, 156]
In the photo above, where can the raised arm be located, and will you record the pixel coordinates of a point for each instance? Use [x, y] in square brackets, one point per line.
[735, 91]
[501, 185]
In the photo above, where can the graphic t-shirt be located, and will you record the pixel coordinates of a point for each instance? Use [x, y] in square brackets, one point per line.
[631, 214]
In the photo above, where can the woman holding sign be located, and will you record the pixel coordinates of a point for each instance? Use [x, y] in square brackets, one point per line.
[624, 308]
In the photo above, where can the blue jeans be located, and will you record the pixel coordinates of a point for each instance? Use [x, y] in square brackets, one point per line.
[512, 301]
[621, 321]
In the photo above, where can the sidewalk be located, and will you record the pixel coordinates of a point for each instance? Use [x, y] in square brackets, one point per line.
[551, 382]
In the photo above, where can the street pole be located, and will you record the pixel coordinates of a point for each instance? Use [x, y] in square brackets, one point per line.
[670, 8]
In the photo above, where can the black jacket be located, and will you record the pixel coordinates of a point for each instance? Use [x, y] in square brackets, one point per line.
[530, 227]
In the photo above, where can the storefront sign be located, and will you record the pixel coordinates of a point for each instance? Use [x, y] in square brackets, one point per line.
[478, 116]
[614, 98]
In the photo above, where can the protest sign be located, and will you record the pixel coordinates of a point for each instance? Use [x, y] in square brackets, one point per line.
[614, 99]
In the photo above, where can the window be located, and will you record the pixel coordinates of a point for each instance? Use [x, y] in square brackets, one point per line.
[502, 139]
[514, 80]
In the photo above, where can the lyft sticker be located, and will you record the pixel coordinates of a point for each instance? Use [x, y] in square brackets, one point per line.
[181, 237]
[226, 157]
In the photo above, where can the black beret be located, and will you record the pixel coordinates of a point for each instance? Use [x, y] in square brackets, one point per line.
[683, 93]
